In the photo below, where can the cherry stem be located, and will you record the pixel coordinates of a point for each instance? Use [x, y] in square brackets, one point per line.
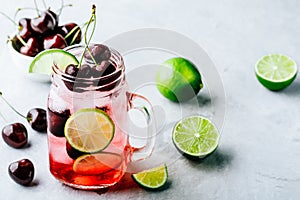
[9, 18]
[21, 40]
[20, 9]
[45, 5]
[36, 8]
[12, 107]
[62, 7]
[87, 42]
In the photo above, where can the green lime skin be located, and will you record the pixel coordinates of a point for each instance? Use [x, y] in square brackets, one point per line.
[275, 86]
[178, 79]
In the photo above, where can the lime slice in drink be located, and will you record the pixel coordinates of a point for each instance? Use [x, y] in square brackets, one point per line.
[43, 62]
[89, 130]
[276, 71]
[154, 178]
[178, 79]
[92, 164]
[195, 136]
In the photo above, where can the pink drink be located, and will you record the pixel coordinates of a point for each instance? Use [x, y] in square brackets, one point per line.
[108, 93]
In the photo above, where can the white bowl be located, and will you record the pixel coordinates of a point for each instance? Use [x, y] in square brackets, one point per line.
[22, 63]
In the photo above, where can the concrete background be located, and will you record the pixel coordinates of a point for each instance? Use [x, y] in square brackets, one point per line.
[258, 156]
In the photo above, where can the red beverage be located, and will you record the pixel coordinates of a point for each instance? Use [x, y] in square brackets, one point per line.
[106, 91]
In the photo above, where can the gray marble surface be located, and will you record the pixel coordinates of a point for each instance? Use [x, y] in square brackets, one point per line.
[258, 156]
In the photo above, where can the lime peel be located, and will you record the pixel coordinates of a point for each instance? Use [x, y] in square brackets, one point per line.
[155, 178]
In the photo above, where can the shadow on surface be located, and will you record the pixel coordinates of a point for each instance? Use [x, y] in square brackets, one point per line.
[219, 160]
[293, 89]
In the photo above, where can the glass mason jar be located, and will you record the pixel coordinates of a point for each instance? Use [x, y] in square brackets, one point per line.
[108, 93]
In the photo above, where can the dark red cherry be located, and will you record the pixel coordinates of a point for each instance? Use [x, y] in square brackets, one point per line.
[15, 135]
[71, 70]
[55, 17]
[25, 30]
[54, 41]
[22, 171]
[67, 28]
[37, 119]
[57, 120]
[73, 153]
[99, 52]
[31, 48]
[44, 23]
[85, 71]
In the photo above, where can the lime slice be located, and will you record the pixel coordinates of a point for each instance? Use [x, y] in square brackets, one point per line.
[89, 130]
[195, 136]
[154, 178]
[276, 71]
[178, 79]
[98, 163]
[43, 62]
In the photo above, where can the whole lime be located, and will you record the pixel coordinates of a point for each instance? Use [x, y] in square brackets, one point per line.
[178, 79]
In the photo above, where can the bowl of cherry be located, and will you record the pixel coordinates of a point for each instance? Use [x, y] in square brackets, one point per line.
[37, 34]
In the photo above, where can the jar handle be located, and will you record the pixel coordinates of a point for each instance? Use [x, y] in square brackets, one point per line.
[142, 104]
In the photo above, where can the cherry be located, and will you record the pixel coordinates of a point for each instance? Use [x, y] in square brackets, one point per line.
[57, 120]
[73, 153]
[44, 23]
[37, 119]
[31, 48]
[25, 30]
[15, 135]
[85, 71]
[71, 70]
[54, 41]
[98, 53]
[22, 171]
[75, 35]
[55, 17]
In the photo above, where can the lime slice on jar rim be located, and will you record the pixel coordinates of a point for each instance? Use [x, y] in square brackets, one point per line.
[153, 179]
[43, 62]
[276, 71]
[89, 130]
[195, 136]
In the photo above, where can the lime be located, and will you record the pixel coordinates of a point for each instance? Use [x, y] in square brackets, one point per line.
[178, 79]
[89, 130]
[154, 178]
[195, 136]
[276, 71]
[43, 62]
[98, 163]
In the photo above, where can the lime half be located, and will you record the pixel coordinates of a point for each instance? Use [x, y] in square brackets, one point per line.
[195, 136]
[89, 130]
[154, 178]
[178, 79]
[276, 71]
[43, 62]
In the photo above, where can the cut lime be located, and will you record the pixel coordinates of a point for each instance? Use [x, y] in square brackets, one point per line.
[43, 62]
[98, 163]
[276, 71]
[154, 178]
[89, 130]
[195, 136]
[178, 79]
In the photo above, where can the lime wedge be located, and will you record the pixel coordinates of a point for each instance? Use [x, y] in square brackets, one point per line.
[276, 71]
[89, 130]
[154, 178]
[195, 136]
[43, 62]
[98, 163]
